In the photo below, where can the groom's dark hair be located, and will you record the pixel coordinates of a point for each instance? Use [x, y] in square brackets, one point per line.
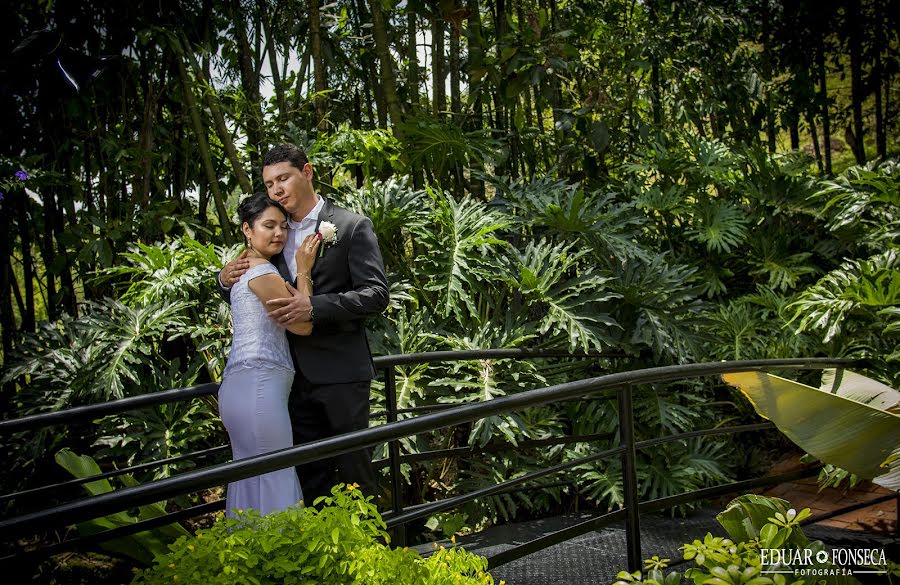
[286, 152]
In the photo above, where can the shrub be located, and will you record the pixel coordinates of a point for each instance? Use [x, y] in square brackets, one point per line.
[753, 523]
[340, 541]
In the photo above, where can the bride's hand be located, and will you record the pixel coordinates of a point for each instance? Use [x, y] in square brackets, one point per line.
[306, 254]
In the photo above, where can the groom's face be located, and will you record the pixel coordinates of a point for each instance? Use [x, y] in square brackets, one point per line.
[288, 185]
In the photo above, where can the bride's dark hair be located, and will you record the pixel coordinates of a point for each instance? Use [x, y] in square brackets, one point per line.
[253, 206]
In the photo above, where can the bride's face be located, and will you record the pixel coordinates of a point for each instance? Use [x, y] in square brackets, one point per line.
[268, 233]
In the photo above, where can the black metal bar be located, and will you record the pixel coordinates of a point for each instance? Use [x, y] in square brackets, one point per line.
[553, 538]
[704, 433]
[105, 408]
[133, 402]
[629, 480]
[728, 488]
[390, 390]
[153, 398]
[425, 408]
[194, 480]
[463, 451]
[112, 533]
[427, 509]
[116, 472]
[592, 524]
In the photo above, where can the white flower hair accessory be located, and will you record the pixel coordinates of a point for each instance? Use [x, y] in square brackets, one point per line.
[328, 234]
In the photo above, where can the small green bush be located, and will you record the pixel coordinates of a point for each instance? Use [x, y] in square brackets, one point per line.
[754, 523]
[339, 542]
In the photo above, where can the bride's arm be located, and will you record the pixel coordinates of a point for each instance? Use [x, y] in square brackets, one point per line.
[270, 287]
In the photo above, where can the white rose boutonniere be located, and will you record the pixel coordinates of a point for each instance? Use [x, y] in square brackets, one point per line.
[328, 234]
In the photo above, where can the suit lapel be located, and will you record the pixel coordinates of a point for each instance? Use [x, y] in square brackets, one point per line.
[325, 214]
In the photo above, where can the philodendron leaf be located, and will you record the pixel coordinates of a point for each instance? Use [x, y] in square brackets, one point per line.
[745, 516]
[857, 428]
[83, 466]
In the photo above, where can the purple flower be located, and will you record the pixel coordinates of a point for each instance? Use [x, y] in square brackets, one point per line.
[22, 175]
[1, 195]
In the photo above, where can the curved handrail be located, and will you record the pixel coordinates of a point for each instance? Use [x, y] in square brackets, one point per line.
[90, 411]
[88, 508]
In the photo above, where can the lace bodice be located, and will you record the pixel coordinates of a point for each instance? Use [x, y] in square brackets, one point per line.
[258, 341]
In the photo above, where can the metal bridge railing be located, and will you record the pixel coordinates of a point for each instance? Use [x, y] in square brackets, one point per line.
[394, 430]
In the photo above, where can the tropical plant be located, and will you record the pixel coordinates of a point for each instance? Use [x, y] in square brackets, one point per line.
[863, 413]
[142, 546]
[338, 541]
[759, 527]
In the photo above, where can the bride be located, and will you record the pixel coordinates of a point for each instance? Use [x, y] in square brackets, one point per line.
[257, 380]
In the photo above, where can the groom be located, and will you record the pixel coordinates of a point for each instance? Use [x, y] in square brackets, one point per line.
[334, 369]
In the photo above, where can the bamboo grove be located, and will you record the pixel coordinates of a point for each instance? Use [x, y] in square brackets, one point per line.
[676, 181]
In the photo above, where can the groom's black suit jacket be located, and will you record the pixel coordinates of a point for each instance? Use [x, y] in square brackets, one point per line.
[349, 285]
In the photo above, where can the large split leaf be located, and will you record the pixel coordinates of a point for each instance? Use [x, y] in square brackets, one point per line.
[851, 422]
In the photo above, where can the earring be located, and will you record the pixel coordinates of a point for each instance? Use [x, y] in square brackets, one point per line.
[249, 245]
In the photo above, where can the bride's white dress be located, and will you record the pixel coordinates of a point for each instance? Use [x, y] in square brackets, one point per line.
[253, 400]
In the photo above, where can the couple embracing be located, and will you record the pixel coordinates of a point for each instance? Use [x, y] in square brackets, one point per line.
[300, 367]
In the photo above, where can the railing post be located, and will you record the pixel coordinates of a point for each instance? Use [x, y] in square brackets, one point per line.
[390, 391]
[629, 479]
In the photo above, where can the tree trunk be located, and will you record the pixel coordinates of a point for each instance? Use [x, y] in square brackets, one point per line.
[249, 77]
[301, 76]
[47, 255]
[794, 130]
[823, 100]
[475, 60]
[811, 122]
[205, 155]
[655, 89]
[854, 17]
[771, 123]
[221, 129]
[67, 287]
[318, 59]
[880, 132]
[25, 226]
[7, 319]
[455, 99]
[412, 56]
[388, 81]
[273, 62]
[438, 65]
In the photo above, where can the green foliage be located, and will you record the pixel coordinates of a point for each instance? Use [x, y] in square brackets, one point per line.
[439, 146]
[143, 546]
[864, 202]
[167, 332]
[339, 541]
[753, 523]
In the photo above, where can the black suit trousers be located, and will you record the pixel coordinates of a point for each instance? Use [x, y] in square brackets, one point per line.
[319, 411]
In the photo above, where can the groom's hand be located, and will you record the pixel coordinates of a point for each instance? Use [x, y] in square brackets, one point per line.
[291, 310]
[233, 271]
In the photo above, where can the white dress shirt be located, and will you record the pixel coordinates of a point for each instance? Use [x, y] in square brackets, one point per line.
[297, 232]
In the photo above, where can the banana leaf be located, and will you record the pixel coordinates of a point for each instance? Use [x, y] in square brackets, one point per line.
[851, 422]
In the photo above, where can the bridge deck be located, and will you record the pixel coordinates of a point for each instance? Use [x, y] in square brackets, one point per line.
[596, 557]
